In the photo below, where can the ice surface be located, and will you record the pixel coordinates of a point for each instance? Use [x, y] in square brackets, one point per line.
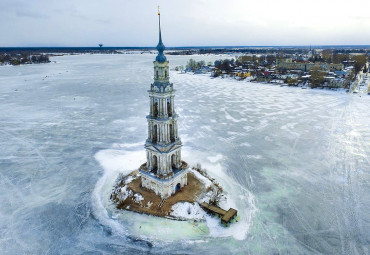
[294, 162]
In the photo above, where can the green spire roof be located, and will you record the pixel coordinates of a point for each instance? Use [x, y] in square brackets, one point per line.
[160, 47]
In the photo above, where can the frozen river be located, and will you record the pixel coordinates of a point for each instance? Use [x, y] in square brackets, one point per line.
[295, 162]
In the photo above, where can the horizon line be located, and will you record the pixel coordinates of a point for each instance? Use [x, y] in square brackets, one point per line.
[192, 47]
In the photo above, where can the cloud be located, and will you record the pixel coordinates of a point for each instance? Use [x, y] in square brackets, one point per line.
[31, 14]
[185, 23]
[362, 18]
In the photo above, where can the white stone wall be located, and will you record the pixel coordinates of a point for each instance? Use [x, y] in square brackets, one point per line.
[161, 71]
[164, 161]
[163, 129]
[159, 102]
[164, 188]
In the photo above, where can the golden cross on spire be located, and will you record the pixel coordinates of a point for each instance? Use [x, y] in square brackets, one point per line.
[159, 13]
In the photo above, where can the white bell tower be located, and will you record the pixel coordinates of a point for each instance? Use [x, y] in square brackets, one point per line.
[164, 171]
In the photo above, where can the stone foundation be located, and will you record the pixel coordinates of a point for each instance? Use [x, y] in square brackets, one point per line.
[164, 187]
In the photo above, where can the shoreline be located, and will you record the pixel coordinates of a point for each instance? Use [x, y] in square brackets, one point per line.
[271, 83]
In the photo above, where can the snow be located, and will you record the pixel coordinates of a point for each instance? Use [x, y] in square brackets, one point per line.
[114, 161]
[129, 179]
[124, 194]
[138, 198]
[207, 183]
[214, 159]
[188, 211]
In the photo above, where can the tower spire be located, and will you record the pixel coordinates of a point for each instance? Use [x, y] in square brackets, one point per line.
[160, 47]
[159, 19]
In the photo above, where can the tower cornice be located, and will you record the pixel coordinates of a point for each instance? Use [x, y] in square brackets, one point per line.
[161, 94]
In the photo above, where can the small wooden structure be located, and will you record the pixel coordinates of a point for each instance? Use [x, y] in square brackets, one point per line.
[227, 217]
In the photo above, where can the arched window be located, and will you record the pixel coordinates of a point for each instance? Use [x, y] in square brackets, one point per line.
[169, 109]
[165, 73]
[155, 163]
[172, 137]
[155, 134]
[155, 113]
[173, 162]
[157, 74]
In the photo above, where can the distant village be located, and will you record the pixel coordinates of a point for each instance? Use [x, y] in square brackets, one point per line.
[321, 68]
[305, 67]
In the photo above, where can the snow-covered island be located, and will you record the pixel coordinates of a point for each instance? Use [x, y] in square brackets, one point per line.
[186, 204]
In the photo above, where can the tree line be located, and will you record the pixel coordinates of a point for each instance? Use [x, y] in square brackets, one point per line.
[23, 58]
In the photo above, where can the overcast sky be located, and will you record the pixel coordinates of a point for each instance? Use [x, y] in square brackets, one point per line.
[184, 23]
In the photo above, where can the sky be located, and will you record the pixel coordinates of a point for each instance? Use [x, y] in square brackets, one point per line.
[184, 23]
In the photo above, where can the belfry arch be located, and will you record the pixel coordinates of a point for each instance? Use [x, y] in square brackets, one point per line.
[169, 108]
[172, 135]
[173, 161]
[155, 110]
[155, 134]
[155, 163]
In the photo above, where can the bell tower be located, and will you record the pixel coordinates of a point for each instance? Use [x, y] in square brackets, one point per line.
[163, 146]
